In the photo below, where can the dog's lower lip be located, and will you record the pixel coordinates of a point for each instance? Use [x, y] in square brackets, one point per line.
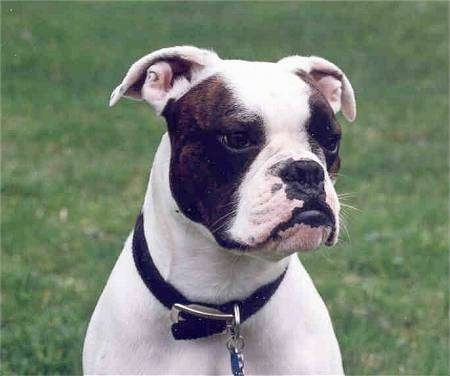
[313, 214]
[313, 218]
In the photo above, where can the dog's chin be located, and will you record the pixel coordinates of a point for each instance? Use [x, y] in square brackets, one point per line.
[297, 238]
[302, 237]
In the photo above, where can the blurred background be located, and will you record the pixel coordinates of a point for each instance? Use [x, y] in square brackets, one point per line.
[74, 171]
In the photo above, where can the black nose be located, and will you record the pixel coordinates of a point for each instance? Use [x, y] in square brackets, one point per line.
[304, 175]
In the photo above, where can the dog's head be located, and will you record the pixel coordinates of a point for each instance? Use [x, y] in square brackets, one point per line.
[254, 145]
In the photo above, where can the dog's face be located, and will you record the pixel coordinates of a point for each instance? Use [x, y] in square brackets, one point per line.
[254, 146]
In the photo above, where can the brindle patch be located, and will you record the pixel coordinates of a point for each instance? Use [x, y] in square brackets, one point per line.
[323, 128]
[204, 173]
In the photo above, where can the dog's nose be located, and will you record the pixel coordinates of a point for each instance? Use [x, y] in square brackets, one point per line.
[305, 175]
[304, 172]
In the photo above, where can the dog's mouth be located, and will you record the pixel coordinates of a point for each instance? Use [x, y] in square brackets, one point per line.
[313, 214]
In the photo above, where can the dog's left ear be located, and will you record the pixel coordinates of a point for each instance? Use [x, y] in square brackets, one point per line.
[330, 79]
[154, 76]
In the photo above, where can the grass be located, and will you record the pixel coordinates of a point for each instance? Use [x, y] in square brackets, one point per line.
[74, 172]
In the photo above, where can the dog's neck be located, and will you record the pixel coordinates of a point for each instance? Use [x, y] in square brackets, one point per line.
[186, 254]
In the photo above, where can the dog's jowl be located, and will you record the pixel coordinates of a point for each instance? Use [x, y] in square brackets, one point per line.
[242, 180]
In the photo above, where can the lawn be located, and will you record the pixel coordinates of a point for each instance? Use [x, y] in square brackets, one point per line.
[74, 172]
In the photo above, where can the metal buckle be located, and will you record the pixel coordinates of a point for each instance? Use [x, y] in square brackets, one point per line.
[199, 311]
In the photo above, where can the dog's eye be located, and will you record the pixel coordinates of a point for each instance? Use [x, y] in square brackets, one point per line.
[325, 130]
[331, 143]
[236, 140]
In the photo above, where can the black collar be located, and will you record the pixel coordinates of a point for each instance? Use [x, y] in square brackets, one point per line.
[192, 327]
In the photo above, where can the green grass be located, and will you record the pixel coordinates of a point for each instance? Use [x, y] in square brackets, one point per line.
[74, 171]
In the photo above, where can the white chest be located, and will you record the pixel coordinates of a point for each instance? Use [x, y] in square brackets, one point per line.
[129, 332]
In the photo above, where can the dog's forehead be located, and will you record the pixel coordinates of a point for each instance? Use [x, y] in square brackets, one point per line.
[280, 97]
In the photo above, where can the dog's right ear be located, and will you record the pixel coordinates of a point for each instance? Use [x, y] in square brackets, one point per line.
[329, 78]
[163, 74]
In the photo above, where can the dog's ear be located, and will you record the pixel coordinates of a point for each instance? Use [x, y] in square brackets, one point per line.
[329, 78]
[163, 74]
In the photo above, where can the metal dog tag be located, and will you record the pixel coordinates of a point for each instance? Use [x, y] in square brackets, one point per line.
[237, 363]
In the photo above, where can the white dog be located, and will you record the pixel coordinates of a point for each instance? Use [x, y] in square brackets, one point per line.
[243, 180]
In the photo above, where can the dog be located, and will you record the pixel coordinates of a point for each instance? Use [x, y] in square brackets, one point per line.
[242, 180]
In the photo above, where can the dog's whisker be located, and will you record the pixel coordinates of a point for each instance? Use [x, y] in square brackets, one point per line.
[345, 228]
[347, 206]
[222, 217]
[341, 175]
[220, 227]
[230, 204]
[347, 194]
